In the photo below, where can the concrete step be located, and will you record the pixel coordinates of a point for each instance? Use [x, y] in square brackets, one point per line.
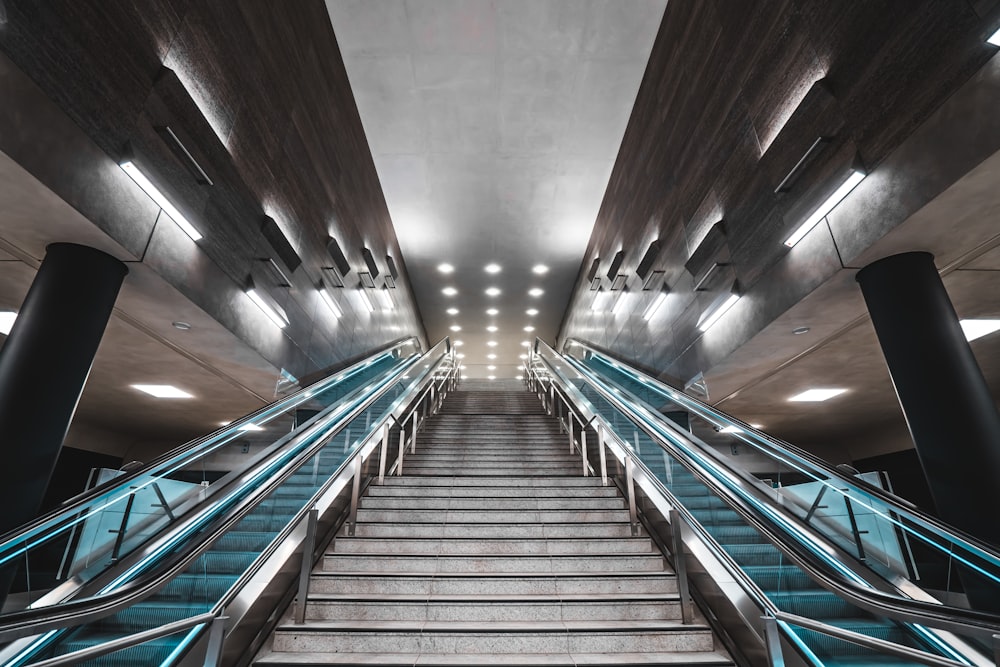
[492, 530]
[489, 547]
[491, 564]
[492, 608]
[477, 583]
[699, 659]
[481, 481]
[496, 638]
[423, 491]
[517, 470]
[490, 516]
[481, 503]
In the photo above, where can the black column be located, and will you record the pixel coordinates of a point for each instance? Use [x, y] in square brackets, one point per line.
[44, 365]
[945, 399]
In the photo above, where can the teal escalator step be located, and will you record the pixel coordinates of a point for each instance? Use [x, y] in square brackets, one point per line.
[243, 541]
[726, 535]
[755, 554]
[151, 653]
[701, 501]
[821, 605]
[263, 524]
[149, 614]
[833, 651]
[224, 562]
[196, 588]
[717, 516]
[780, 578]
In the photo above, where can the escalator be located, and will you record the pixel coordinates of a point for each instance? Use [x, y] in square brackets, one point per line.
[161, 564]
[824, 557]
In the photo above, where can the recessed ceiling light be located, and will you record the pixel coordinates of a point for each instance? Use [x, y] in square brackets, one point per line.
[994, 39]
[522, 356]
[446, 268]
[491, 328]
[536, 291]
[7, 321]
[460, 355]
[974, 329]
[491, 367]
[455, 327]
[798, 331]
[452, 311]
[459, 343]
[181, 326]
[250, 426]
[491, 356]
[525, 343]
[449, 291]
[162, 390]
[529, 328]
[492, 291]
[491, 343]
[492, 311]
[757, 426]
[518, 377]
[540, 269]
[492, 268]
[492, 377]
[532, 311]
[731, 429]
[816, 395]
[225, 423]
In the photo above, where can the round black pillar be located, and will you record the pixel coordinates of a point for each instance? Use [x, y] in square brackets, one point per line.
[947, 404]
[44, 365]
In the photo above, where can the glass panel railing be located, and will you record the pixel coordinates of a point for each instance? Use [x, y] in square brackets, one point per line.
[45, 561]
[676, 459]
[209, 579]
[888, 535]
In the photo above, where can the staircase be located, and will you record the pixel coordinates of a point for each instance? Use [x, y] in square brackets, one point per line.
[492, 549]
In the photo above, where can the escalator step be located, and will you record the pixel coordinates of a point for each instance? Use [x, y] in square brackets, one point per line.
[195, 588]
[780, 578]
[727, 535]
[755, 554]
[149, 614]
[243, 541]
[814, 604]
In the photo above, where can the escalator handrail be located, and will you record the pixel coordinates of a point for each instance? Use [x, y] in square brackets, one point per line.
[29, 622]
[183, 454]
[957, 619]
[775, 448]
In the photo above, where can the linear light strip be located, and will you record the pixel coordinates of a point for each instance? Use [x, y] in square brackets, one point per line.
[154, 193]
[652, 309]
[279, 319]
[327, 298]
[825, 208]
[713, 314]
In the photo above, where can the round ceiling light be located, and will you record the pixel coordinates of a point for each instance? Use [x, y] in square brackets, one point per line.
[540, 269]
[536, 291]
[446, 268]
[492, 268]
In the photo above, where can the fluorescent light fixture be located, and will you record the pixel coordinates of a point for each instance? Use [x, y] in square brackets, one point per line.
[366, 300]
[491, 356]
[455, 327]
[825, 208]
[522, 356]
[452, 311]
[816, 395]
[491, 367]
[518, 377]
[492, 377]
[540, 269]
[7, 321]
[459, 343]
[525, 343]
[599, 302]
[268, 307]
[536, 291]
[994, 39]
[147, 186]
[449, 291]
[492, 291]
[619, 304]
[973, 329]
[327, 298]
[383, 296]
[491, 328]
[444, 267]
[532, 311]
[652, 308]
[718, 308]
[492, 268]
[460, 355]
[162, 390]
[529, 328]
[492, 311]
[491, 343]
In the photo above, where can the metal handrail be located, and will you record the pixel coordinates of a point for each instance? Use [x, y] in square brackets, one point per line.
[30, 622]
[184, 454]
[946, 617]
[784, 451]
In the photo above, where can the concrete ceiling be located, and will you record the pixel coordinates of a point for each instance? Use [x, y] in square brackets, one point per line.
[494, 127]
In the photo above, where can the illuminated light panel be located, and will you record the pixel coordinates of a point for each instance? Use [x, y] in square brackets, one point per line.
[444, 267]
[825, 208]
[279, 319]
[652, 308]
[518, 377]
[366, 301]
[540, 269]
[162, 390]
[536, 291]
[522, 356]
[974, 329]
[492, 311]
[715, 313]
[492, 291]
[383, 296]
[600, 301]
[492, 377]
[531, 311]
[731, 429]
[491, 356]
[459, 343]
[7, 321]
[529, 328]
[816, 395]
[460, 355]
[327, 299]
[619, 304]
[250, 426]
[525, 343]
[994, 39]
[154, 193]
[492, 328]
[452, 311]
[491, 368]
[455, 327]
[449, 291]
[491, 343]
[492, 268]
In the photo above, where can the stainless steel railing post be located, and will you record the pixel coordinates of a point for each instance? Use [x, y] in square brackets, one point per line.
[383, 453]
[352, 521]
[583, 448]
[305, 572]
[603, 455]
[216, 640]
[772, 641]
[633, 516]
[680, 565]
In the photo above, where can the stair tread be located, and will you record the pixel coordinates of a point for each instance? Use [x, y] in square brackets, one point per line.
[534, 627]
[524, 659]
[498, 598]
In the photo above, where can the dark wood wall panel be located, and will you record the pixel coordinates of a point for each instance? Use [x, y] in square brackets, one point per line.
[260, 96]
[728, 105]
